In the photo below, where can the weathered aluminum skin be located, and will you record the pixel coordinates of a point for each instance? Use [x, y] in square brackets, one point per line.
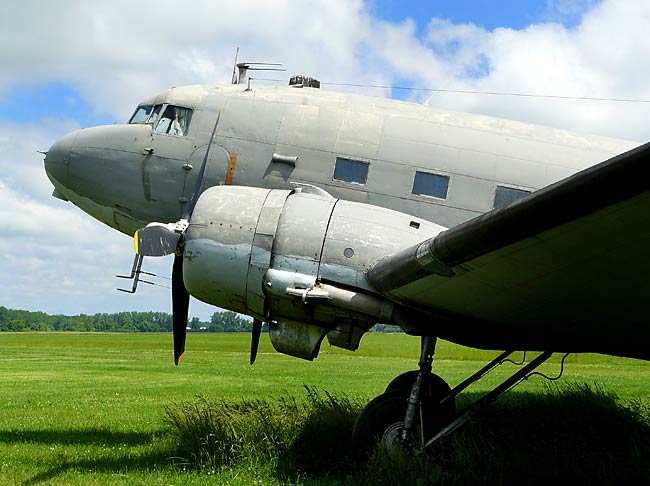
[309, 214]
[295, 258]
[219, 244]
[242, 238]
[109, 168]
[261, 251]
[360, 234]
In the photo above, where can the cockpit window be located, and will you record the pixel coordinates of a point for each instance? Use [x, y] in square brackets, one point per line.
[141, 114]
[155, 114]
[174, 121]
[146, 114]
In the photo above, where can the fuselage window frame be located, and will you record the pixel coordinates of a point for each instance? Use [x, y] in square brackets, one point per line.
[430, 188]
[155, 114]
[504, 195]
[351, 171]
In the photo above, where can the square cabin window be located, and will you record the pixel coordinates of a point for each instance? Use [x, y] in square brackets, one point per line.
[348, 170]
[427, 184]
[505, 195]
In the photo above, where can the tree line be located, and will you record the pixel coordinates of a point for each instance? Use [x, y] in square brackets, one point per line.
[225, 321]
[22, 320]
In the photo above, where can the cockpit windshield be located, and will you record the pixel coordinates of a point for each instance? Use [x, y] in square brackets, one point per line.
[141, 114]
[175, 120]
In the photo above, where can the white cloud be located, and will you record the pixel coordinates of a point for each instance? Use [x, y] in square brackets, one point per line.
[118, 52]
[598, 58]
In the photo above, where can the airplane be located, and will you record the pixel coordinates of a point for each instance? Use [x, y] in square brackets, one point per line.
[323, 213]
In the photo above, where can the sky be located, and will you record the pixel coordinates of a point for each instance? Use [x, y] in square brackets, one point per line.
[78, 63]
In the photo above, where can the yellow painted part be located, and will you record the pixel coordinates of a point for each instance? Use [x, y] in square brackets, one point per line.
[135, 242]
[180, 359]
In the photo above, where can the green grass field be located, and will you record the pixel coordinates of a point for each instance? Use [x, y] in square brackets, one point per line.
[92, 408]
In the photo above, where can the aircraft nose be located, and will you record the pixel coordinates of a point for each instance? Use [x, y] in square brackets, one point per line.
[57, 159]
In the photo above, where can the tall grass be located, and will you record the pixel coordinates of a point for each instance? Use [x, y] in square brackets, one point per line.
[295, 437]
[573, 433]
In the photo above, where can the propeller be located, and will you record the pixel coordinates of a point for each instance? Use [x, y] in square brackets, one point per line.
[255, 338]
[180, 307]
[160, 239]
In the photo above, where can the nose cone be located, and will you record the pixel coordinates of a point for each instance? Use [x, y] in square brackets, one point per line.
[57, 159]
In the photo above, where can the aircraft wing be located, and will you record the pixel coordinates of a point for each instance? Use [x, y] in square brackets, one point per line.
[564, 269]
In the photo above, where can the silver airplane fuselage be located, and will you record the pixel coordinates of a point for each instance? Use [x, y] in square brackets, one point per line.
[561, 270]
[441, 166]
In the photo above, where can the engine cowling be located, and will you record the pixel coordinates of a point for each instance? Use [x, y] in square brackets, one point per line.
[296, 260]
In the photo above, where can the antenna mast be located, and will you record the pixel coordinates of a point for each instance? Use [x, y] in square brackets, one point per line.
[234, 67]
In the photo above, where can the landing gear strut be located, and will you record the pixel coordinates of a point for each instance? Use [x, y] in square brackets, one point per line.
[418, 408]
[410, 411]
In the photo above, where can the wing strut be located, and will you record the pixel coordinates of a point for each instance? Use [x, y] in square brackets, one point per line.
[418, 408]
[511, 382]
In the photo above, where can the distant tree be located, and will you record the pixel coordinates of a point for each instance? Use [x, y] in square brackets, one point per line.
[229, 321]
[223, 321]
[386, 328]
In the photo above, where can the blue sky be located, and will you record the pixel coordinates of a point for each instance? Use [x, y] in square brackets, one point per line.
[73, 64]
[514, 14]
[24, 104]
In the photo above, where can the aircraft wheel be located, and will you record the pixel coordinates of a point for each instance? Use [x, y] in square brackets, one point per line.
[382, 419]
[380, 422]
[435, 389]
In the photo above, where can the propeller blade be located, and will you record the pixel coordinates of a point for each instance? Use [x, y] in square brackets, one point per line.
[255, 341]
[180, 307]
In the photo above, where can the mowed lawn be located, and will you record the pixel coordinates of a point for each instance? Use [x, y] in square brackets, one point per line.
[89, 408]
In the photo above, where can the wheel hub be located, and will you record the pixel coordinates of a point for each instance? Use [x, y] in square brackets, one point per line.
[392, 436]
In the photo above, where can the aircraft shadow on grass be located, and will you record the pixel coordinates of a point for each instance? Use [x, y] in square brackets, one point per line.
[572, 431]
[130, 459]
[88, 436]
[127, 462]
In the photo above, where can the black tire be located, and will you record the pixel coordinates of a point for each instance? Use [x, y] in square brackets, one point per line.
[381, 421]
[383, 412]
[434, 390]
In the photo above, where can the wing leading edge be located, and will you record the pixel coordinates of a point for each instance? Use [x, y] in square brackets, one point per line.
[565, 268]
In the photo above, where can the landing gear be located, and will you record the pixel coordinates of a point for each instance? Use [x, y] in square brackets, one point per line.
[414, 407]
[434, 388]
[418, 408]
[382, 421]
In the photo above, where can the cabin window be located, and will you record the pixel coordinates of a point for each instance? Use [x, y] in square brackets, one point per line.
[505, 195]
[348, 170]
[174, 121]
[428, 184]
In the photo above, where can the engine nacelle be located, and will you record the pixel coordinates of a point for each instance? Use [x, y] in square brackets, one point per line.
[296, 260]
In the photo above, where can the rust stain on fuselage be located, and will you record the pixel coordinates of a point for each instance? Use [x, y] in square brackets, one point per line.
[230, 171]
